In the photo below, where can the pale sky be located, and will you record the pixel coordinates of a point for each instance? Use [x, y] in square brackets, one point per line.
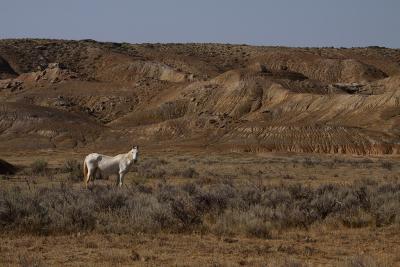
[270, 22]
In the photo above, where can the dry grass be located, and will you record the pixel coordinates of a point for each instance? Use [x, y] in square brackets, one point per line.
[301, 248]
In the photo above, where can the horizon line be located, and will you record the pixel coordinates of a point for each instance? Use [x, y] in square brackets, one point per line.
[206, 42]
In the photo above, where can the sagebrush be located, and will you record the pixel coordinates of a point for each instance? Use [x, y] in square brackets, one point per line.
[221, 208]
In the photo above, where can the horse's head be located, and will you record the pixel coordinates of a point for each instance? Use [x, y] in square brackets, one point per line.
[135, 153]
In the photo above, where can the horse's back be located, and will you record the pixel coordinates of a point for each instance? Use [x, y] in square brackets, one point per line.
[93, 157]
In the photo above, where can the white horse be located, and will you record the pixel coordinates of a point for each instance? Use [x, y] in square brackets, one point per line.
[106, 165]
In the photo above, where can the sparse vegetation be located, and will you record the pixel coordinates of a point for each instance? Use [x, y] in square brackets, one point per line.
[308, 162]
[387, 165]
[151, 168]
[362, 261]
[74, 170]
[39, 167]
[262, 200]
[30, 261]
[189, 172]
[221, 208]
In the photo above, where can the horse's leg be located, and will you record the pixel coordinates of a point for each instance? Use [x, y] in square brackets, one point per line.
[121, 178]
[89, 177]
[85, 173]
[95, 174]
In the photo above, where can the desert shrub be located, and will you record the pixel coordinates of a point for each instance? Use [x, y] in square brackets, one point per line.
[188, 173]
[151, 168]
[182, 206]
[39, 167]
[185, 211]
[213, 198]
[29, 260]
[154, 173]
[248, 223]
[357, 219]
[287, 261]
[74, 170]
[361, 261]
[46, 210]
[308, 162]
[172, 110]
[220, 207]
[338, 160]
[258, 228]
[387, 165]
[110, 198]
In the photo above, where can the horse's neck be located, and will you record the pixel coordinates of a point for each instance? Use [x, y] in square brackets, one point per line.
[128, 158]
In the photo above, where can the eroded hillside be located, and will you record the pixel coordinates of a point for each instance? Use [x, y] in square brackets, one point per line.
[74, 94]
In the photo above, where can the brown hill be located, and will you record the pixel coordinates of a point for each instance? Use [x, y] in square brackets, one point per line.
[57, 93]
